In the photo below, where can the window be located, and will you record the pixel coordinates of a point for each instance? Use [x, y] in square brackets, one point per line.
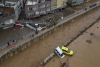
[54, 5]
[48, 9]
[64, 3]
[31, 14]
[73, 2]
[20, 4]
[30, 8]
[35, 8]
[37, 13]
[61, 54]
[48, 4]
[42, 6]
[42, 1]
[54, 0]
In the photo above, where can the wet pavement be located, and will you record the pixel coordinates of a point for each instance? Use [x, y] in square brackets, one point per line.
[11, 34]
[34, 54]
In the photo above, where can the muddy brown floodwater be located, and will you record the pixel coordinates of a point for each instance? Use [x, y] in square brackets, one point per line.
[85, 54]
[33, 55]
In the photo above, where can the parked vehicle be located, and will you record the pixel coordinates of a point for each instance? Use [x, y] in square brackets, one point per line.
[59, 52]
[67, 50]
[34, 26]
[1, 4]
[29, 26]
[1, 13]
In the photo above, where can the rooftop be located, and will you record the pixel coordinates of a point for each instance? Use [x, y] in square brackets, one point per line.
[2, 19]
[12, 0]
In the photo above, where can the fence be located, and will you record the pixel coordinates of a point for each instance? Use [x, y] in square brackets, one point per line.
[43, 33]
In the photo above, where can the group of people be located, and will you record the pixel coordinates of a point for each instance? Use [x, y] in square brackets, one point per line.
[11, 43]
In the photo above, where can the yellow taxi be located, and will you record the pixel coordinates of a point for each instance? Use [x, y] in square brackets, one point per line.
[67, 50]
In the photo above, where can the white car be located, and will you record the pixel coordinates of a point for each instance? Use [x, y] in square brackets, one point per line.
[1, 4]
[59, 52]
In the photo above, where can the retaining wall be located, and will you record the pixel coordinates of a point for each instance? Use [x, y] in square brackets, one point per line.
[21, 46]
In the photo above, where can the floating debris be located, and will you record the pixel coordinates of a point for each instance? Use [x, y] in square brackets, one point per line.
[91, 34]
[89, 41]
[97, 27]
[65, 64]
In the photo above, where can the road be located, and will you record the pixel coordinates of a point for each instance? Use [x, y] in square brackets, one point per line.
[11, 34]
[33, 55]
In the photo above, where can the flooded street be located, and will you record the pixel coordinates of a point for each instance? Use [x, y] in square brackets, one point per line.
[85, 54]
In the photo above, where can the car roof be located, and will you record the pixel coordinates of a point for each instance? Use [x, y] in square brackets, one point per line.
[65, 48]
[58, 49]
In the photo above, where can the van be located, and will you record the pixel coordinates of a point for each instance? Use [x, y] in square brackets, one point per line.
[29, 26]
[59, 52]
[34, 26]
[1, 5]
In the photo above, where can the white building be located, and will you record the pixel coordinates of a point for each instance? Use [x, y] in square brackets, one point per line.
[17, 5]
[12, 9]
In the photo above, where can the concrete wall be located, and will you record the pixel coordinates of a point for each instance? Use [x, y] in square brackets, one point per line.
[20, 47]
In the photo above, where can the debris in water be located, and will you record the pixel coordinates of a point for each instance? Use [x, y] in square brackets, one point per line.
[89, 41]
[65, 64]
[97, 27]
[54, 60]
[91, 34]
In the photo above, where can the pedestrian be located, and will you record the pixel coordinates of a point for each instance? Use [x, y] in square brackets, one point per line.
[14, 25]
[8, 43]
[14, 41]
[32, 35]
[54, 23]
[62, 17]
[36, 31]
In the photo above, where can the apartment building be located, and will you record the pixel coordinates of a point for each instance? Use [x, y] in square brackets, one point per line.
[58, 4]
[12, 9]
[76, 2]
[7, 22]
[37, 8]
[16, 5]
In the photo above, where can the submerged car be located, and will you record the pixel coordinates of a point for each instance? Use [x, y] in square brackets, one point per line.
[67, 50]
[59, 52]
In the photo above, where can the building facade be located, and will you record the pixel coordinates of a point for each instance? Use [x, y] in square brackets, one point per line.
[35, 9]
[10, 11]
[58, 4]
[17, 5]
[76, 2]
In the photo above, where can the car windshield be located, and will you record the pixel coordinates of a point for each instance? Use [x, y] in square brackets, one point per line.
[68, 51]
[61, 54]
